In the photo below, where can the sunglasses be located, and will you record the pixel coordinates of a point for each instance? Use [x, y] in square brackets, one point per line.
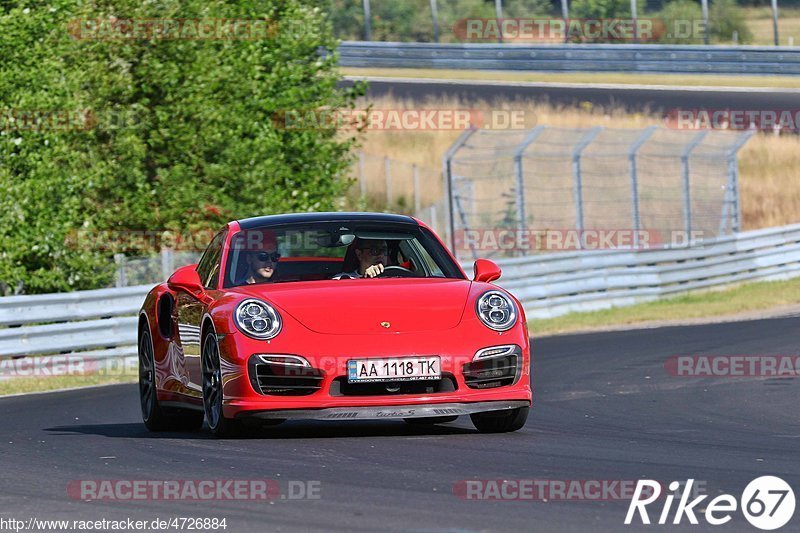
[267, 256]
[375, 250]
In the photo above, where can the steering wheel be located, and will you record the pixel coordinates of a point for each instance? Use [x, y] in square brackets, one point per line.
[397, 272]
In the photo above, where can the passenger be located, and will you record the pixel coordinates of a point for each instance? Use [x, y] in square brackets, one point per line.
[261, 255]
[261, 266]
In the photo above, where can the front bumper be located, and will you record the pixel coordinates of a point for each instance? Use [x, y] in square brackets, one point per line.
[328, 355]
[389, 411]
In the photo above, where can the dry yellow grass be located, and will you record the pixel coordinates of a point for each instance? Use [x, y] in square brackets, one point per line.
[769, 165]
[759, 20]
[621, 78]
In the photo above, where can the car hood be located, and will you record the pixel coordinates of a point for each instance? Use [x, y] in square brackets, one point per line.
[364, 306]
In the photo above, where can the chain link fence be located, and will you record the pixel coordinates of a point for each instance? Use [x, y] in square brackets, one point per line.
[385, 184]
[648, 182]
[151, 269]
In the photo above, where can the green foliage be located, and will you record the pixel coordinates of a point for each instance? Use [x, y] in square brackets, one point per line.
[183, 135]
[600, 9]
[725, 17]
[411, 20]
[606, 10]
[683, 22]
[678, 17]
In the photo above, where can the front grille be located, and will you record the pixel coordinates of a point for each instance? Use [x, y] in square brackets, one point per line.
[284, 380]
[492, 372]
[340, 387]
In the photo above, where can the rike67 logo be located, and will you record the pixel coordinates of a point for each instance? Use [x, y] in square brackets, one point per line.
[767, 503]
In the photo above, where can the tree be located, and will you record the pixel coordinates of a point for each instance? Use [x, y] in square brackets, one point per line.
[181, 133]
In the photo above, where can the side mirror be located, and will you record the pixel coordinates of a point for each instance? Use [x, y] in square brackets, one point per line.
[486, 270]
[186, 279]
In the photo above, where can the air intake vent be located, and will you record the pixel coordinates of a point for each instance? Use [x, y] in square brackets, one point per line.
[492, 372]
[277, 379]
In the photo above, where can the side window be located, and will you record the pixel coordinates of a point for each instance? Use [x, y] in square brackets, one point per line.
[208, 268]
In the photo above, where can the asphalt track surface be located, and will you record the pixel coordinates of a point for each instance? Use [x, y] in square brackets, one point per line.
[605, 409]
[632, 98]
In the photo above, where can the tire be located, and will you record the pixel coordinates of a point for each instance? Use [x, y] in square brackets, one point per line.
[155, 417]
[500, 421]
[212, 391]
[430, 420]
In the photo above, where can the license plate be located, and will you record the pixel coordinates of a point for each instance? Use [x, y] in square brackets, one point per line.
[394, 369]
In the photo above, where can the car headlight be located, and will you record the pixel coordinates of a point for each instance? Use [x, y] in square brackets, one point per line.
[258, 319]
[496, 310]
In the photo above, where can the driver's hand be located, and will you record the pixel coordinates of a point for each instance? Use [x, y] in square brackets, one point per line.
[373, 271]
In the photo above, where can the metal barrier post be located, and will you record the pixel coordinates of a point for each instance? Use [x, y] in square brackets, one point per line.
[687, 199]
[733, 183]
[362, 182]
[635, 181]
[387, 172]
[167, 263]
[435, 19]
[587, 138]
[367, 21]
[518, 172]
[447, 174]
[415, 172]
[122, 278]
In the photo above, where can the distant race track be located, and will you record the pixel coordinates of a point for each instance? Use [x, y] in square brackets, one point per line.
[632, 98]
[604, 409]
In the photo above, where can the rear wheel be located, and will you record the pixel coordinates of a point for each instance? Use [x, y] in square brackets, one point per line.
[212, 390]
[500, 421]
[155, 417]
[430, 420]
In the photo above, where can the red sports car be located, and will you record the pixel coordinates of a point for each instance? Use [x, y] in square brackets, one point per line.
[331, 316]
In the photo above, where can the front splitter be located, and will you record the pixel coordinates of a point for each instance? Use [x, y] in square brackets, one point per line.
[386, 412]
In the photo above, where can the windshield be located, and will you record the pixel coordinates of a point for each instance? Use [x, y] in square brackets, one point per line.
[335, 251]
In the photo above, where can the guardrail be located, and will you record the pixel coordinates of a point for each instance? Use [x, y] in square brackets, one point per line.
[677, 59]
[555, 284]
[101, 324]
[97, 325]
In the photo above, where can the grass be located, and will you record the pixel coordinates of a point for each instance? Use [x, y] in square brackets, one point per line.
[41, 384]
[678, 80]
[743, 298]
[769, 165]
[759, 20]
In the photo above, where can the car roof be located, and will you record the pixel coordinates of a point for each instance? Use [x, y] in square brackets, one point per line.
[293, 218]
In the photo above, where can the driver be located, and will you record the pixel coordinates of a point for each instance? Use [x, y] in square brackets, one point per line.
[372, 255]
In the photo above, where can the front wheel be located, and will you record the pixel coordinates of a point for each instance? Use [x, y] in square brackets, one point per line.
[212, 390]
[500, 421]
